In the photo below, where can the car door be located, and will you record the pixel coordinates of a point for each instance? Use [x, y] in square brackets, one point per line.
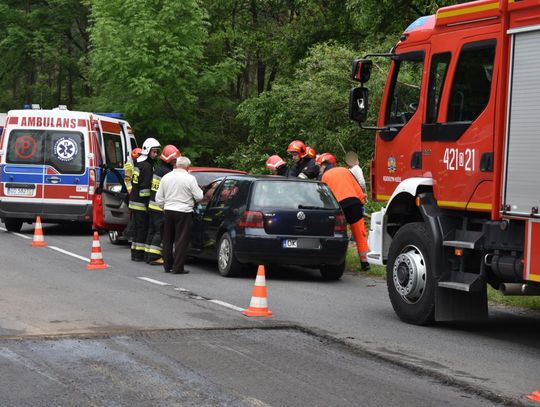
[198, 227]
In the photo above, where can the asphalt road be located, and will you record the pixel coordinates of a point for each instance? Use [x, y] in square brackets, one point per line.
[46, 291]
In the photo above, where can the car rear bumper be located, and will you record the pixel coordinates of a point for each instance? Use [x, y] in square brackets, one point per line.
[269, 249]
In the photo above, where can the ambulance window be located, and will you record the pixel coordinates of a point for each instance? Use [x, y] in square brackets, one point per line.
[113, 150]
[472, 82]
[65, 151]
[25, 147]
[437, 76]
[405, 88]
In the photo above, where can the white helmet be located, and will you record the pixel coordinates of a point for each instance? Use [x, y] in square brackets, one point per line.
[149, 144]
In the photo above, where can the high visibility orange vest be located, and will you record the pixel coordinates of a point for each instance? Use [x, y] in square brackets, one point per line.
[343, 184]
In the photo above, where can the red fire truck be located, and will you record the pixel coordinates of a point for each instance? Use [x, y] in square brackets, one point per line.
[457, 144]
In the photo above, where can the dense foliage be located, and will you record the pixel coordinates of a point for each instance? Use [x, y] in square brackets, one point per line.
[228, 81]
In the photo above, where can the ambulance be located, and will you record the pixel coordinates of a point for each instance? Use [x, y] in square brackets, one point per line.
[52, 162]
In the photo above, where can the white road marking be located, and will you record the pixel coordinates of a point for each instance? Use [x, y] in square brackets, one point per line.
[23, 236]
[151, 280]
[86, 259]
[227, 305]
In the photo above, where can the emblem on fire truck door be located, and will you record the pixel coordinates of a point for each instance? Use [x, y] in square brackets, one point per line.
[391, 163]
[65, 149]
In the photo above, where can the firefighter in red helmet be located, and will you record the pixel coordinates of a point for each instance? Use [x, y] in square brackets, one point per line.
[277, 166]
[153, 250]
[304, 166]
[310, 151]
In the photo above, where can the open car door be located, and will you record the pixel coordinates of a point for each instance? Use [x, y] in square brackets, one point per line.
[110, 206]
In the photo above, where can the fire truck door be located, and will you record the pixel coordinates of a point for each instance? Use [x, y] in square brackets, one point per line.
[457, 134]
[397, 146]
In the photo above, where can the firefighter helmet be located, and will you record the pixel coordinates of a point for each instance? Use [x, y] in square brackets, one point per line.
[297, 147]
[149, 144]
[135, 153]
[274, 162]
[169, 154]
[310, 151]
[326, 158]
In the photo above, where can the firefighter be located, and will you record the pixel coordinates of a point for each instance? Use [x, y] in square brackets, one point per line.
[140, 196]
[128, 167]
[155, 214]
[128, 176]
[310, 151]
[277, 166]
[304, 166]
[351, 198]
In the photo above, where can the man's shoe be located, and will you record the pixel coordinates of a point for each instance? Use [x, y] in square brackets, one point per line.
[181, 272]
[365, 266]
[157, 262]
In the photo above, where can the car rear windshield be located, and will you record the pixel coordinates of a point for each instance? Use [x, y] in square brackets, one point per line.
[292, 194]
[62, 150]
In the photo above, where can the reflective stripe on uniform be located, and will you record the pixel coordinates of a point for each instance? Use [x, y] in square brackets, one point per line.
[144, 192]
[153, 205]
[153, 249]
[137, 206]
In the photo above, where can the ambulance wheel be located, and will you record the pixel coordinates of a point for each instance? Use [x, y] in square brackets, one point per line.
[409, 274]
[13, 225]
[227, 264]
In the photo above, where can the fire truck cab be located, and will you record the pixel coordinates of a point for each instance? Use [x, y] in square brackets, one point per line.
[455, 160]
[51, 162]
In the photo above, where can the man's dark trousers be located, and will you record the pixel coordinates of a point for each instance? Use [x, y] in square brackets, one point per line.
[176, 234]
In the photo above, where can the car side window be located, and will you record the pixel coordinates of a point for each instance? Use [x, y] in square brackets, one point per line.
[208, 193]
[227, 193]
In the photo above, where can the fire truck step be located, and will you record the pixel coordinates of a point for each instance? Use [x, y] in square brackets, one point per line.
[459, 243]
[462, 281]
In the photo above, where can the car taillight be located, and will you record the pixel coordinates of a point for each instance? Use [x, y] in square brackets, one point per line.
[251, 219]
[91, 182]
[341, 224]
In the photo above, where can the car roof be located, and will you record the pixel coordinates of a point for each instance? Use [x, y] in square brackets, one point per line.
[251, 177]
[215, 169]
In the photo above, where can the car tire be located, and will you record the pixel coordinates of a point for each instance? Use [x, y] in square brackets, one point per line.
[114, 237]
[332, 272]
[409, 274]
[228, 266]
[13, 225]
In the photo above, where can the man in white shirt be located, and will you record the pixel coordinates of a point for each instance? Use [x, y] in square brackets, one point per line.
[351, 158]
[177, 193]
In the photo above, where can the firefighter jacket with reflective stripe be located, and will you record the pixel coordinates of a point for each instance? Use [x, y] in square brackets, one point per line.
[128, 174]
[159, 172]
[141, 184]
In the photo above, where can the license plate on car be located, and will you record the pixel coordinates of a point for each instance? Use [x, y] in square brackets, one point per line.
[290, 243]
[21, 191]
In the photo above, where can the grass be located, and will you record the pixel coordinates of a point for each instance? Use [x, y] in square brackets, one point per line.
[494, 296]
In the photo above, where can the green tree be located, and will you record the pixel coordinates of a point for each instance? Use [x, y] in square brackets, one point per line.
[43, 44]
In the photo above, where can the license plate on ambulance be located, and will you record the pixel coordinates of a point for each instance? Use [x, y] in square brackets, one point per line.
[290, 243]
[21, 191]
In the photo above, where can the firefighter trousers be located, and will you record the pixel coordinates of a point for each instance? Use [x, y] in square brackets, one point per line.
[154, 236]
[140, 230]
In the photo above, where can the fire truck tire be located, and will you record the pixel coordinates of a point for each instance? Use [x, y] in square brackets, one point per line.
[13, 225]
[409, 274]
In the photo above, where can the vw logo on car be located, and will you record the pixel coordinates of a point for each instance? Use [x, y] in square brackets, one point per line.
[301, 215]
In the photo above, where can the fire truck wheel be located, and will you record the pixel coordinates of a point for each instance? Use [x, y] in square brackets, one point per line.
[13, 225]
[409, 276]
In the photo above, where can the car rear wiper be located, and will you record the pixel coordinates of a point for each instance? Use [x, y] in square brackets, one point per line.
[312, 207]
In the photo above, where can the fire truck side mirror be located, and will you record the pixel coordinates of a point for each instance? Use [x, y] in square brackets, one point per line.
[358, 104]
[361, 70]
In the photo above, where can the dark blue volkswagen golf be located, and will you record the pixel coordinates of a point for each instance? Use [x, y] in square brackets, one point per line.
[248, 220]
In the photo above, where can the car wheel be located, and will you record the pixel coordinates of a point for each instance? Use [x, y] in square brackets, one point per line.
[13, 225]
[115, 237]
[409, 274]
[332, 272]
[227, 264]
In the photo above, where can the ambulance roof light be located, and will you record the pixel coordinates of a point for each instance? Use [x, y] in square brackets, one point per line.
[62, 107]
[33, 106]
[111, 115]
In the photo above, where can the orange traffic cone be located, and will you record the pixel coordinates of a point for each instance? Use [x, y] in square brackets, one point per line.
[258, 307]
[38, 234]
[96, 259]
[534, 396]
